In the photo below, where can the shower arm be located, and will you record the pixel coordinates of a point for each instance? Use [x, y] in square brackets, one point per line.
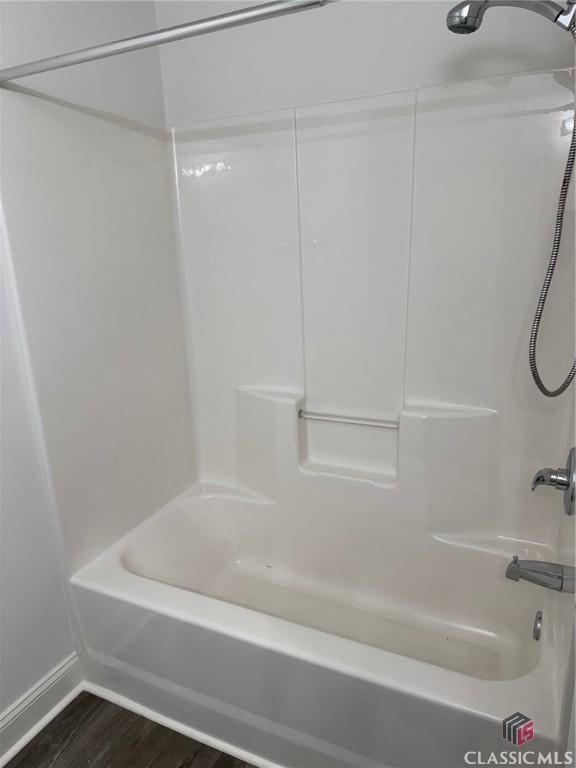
[547, 8]
[161, 36]
[467, 16]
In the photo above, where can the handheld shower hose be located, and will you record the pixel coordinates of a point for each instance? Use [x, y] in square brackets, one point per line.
[558, 228]
[467, 17]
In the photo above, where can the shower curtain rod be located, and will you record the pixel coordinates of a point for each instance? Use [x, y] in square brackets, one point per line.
[161, 36]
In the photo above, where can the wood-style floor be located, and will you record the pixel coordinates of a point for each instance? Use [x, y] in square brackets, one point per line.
[92, 733]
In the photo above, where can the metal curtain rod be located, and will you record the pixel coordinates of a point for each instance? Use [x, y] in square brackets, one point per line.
[161, 36]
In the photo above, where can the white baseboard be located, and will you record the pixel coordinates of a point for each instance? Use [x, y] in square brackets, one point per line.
[174, 725]
[21, 721]
[38, 706]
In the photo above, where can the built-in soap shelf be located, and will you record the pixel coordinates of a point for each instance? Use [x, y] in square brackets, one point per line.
[278, 446]
[349, 446]
[275, 440]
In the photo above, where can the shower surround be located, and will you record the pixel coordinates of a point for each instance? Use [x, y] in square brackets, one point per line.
[331, 594]
[325, 586]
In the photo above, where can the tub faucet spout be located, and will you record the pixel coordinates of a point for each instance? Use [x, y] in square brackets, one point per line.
[550, 575]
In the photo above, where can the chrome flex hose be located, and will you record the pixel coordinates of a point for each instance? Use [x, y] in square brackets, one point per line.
[559, 226]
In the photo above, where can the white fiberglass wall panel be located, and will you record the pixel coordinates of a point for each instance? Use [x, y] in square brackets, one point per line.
[355, 179]
[457, 274]
[355, 171]
[237, 184]
[489, 160]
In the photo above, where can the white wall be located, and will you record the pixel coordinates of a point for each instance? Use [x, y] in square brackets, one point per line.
[85, 185]
[88, 213]
[330, 254]
[128, 86]
[87, 195]
[34, 632]
[341, 52]
[481, 239]
[344, 50]
[240, 246]
[355, 170]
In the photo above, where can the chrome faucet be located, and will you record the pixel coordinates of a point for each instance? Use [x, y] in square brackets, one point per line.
[549, 575]
[561, 479]
[467, 16]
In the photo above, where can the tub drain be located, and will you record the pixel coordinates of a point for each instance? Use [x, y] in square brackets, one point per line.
[537, 629]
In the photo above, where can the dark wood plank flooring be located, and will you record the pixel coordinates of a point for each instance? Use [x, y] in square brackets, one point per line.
[92, 733]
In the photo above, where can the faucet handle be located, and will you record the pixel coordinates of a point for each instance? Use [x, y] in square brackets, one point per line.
[561, 479]
[557, 478]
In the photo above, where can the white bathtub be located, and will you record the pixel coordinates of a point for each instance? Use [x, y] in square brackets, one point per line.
[224, 616]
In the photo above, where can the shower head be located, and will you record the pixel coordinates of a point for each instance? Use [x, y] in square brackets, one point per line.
[466, 17]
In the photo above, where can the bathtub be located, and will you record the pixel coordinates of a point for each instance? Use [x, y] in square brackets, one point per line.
[220, 615]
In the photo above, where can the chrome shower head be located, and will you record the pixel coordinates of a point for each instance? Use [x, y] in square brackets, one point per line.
[466, 17]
